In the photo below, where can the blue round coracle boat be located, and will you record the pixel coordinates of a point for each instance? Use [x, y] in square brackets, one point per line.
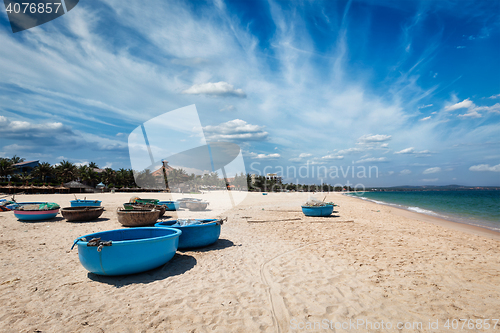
[85, 203]
[317, 210]
[171, 205]
[127, 251]
[15, 205]
[35, 211]
[197, 235]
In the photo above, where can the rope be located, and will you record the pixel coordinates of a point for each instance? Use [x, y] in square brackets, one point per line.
[94, 242]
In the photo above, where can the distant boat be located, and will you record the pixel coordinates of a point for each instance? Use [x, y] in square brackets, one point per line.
[197, 205]
[170, 205]
[85, 203]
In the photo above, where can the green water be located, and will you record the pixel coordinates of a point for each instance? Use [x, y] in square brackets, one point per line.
[476, 207]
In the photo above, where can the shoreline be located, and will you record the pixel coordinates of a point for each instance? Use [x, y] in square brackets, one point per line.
[436, 220]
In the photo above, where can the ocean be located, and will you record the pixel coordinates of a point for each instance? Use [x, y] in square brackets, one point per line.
[475, 207]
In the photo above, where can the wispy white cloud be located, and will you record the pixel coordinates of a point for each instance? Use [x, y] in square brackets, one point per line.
[425, 118]
[431, 170]
[221, 88]
[374, 138]
[301, 157]
[471, 113]
[430, 180]
[264, 156]
[373, 159]
[485, 167]
[228, 108]
[466, 103]
[494, 96]
[332, 157]
[412, 150]
[405, 172]
[236, 129]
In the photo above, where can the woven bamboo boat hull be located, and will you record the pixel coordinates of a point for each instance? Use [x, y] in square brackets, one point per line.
[137, 218]
[80, 214]
[197, 205]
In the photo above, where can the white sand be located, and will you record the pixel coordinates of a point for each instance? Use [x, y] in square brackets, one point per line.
[387, 265]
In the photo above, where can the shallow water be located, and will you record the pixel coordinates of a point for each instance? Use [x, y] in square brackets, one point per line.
[475, 207]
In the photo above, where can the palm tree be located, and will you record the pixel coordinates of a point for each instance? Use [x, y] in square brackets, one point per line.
[16, 159]
[67, 171]
[177, 176]
[6, 167]
[93, 165]
[108, 176]
[43, 170]
[88, 175]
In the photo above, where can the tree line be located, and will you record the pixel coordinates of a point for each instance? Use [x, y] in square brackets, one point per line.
[66, 171]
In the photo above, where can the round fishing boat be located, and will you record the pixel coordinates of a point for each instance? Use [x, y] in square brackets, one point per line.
[326, 210]
[197, 205]
[15, 205]
[36, 211]
[170, 205]
[183, 201]
[131, 206]
[85, 203]
[78, 214]
[196, 235]
[137, 217]
[127, 251]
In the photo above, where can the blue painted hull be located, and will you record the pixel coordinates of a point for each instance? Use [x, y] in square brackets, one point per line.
[318, 211]
[132, 251]
[17, 204]
[171, 205]
[85, 203]
[194, 236]
[36, 215]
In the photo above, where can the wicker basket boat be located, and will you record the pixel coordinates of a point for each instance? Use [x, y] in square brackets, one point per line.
[197, 205]
[131, 206]
[78, 214]
[137, 217]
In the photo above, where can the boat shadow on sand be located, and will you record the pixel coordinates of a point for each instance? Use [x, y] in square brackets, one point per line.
[59, 219]
[178, 265]
[220, 244]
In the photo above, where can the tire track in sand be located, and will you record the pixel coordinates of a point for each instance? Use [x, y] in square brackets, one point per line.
[278, 308]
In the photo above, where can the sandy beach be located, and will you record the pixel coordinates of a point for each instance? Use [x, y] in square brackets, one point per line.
[272, 270]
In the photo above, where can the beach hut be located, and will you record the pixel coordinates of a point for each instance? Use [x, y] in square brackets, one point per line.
[101, 186]
[61, 188]
[75, 186]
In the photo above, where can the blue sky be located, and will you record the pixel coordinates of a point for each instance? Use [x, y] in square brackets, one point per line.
[408, 88]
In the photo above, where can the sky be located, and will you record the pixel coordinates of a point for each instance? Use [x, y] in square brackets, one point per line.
[376, 93]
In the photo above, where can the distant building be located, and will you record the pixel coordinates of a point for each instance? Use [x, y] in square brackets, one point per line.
[274, 177]
[27, 167]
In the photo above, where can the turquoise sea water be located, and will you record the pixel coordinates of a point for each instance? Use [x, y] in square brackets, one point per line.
[476, 207]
